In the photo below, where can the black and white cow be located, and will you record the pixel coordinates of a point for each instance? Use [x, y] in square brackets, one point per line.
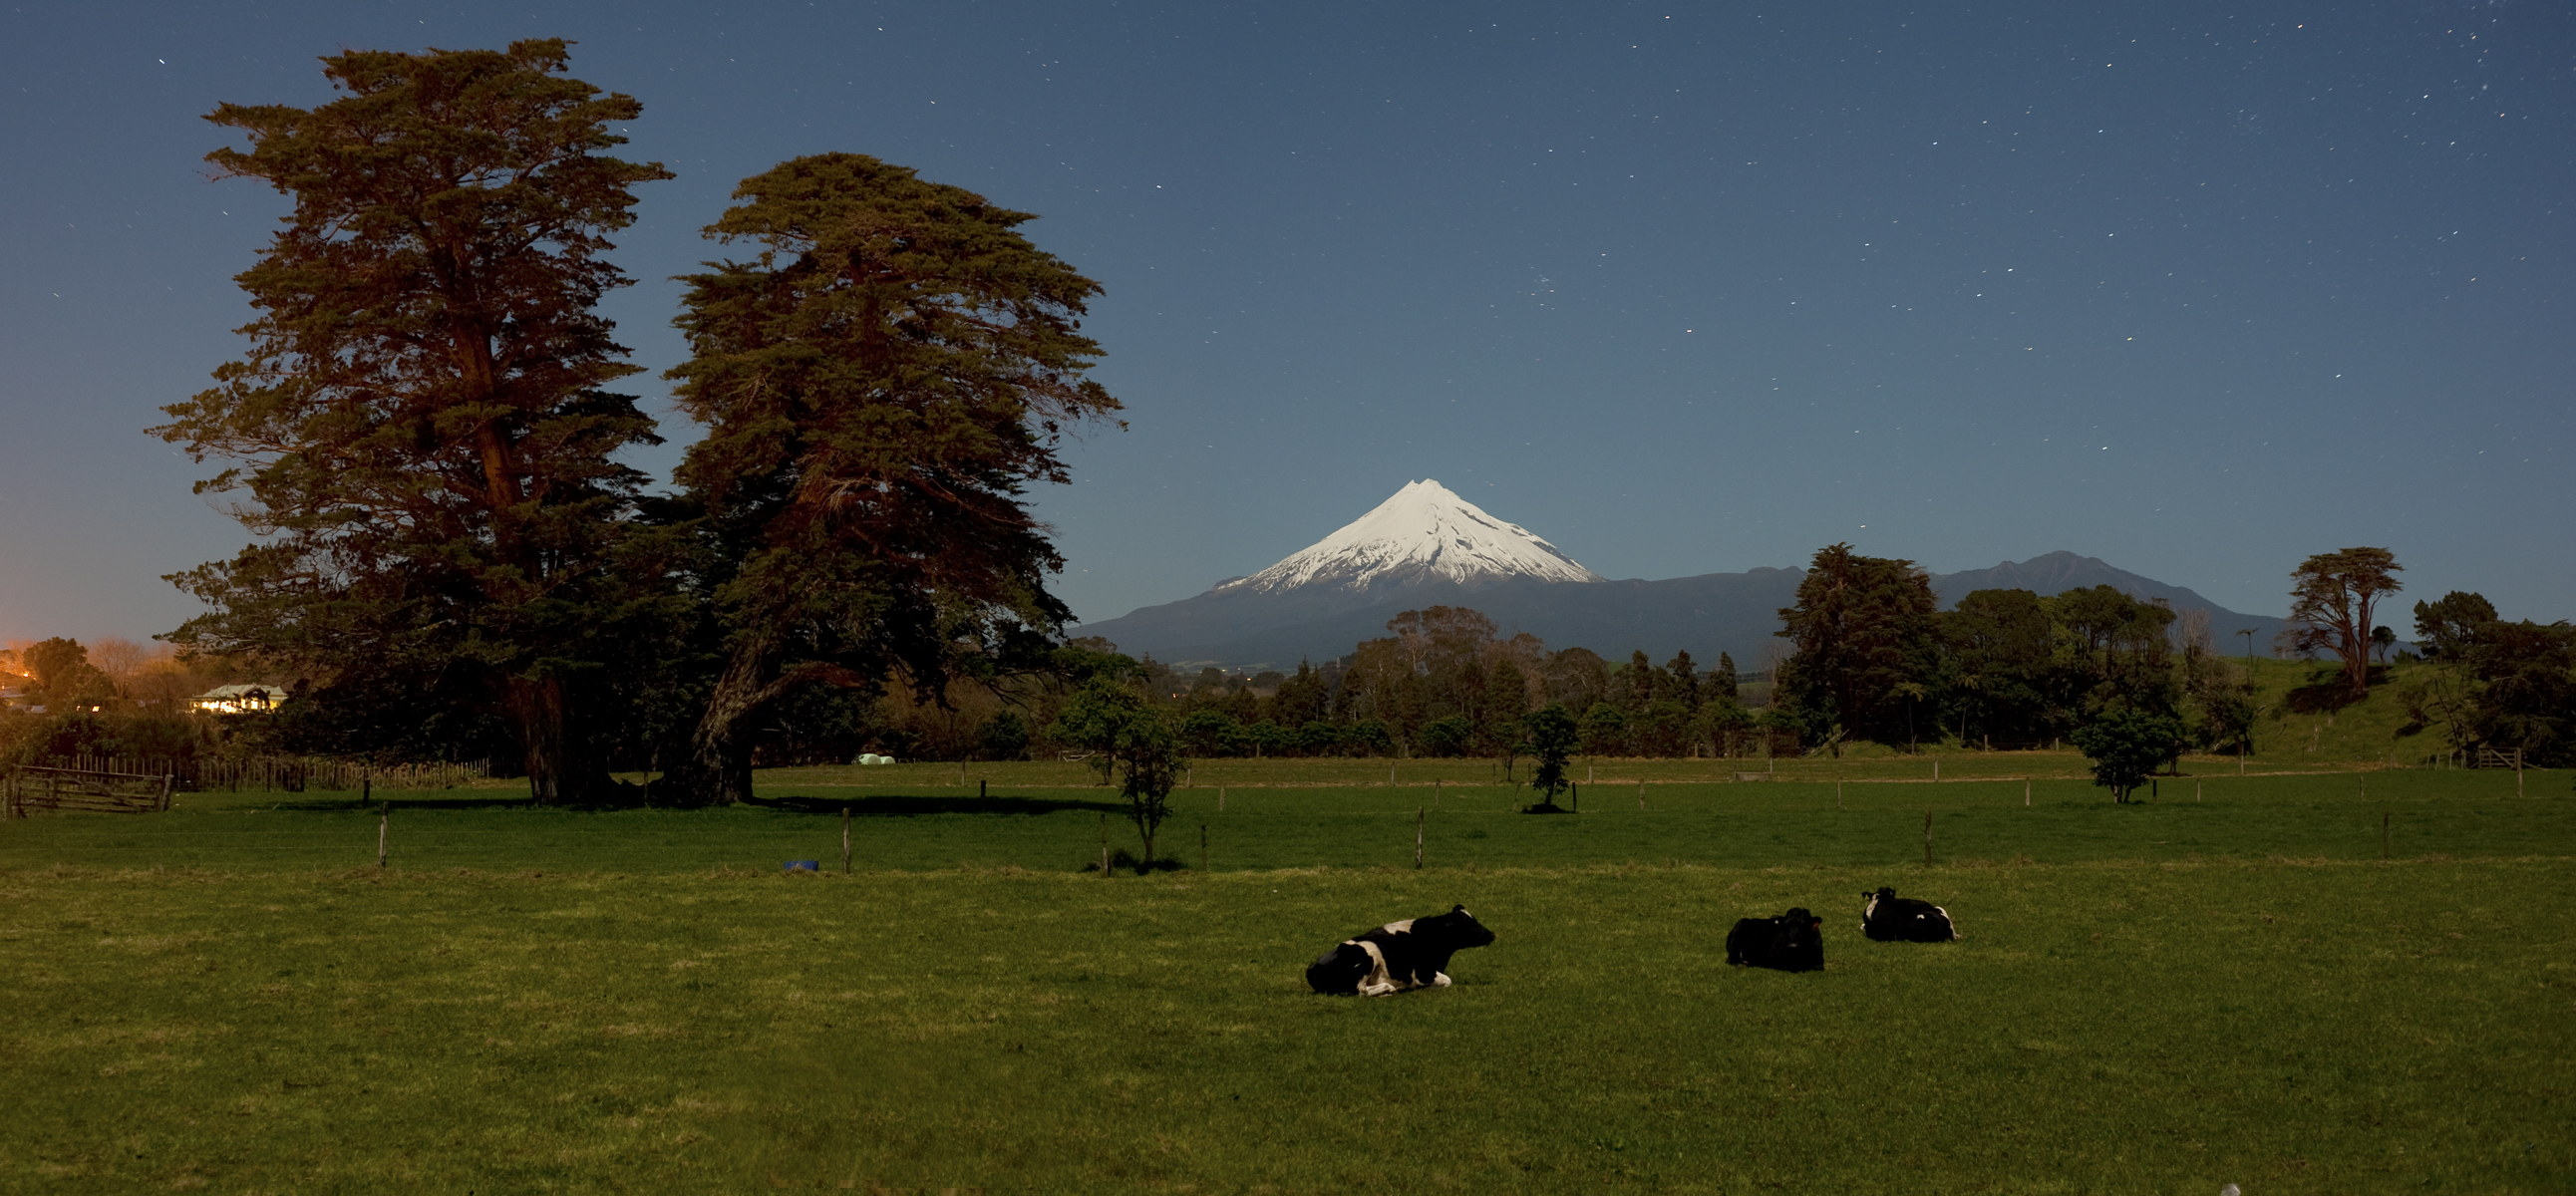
[1413, 953]
[1888, 918]
[1792, 942]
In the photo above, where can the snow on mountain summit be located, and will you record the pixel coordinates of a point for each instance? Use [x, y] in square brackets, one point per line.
[1424, 533]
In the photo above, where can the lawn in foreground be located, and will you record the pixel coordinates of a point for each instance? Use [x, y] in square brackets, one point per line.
[2325, 1027]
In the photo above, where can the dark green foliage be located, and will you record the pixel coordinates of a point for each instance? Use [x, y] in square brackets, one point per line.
[2525, 695]
[1681, 681]
[1368, 737]
[1448, 735]
[1639, 683]
[1863, 627]
[1129, 741]
[2223, 701]
[1005, 736]
[879, 385]
[1301, 699]
[2448, 626]
[1663, 728]
[2001, 654]
[1605, 730]
[1553, 740]
[2127, 746]
[420, 426]
[1269, 738]
[1209, 732]
[2120, 652]
[1721, 681]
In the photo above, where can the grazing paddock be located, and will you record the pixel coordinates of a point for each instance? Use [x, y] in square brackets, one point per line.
[2307, 1027]
[2164, 997]
[2403, 814]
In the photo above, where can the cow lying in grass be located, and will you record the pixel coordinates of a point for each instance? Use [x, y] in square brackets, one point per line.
[1792, 942]
[1413, 953]
[1888, 918]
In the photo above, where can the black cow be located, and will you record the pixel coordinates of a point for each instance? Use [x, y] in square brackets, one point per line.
[1397, 956]
[1888, 918]
[1792, 942]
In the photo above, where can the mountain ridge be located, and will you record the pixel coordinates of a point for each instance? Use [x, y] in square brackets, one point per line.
[1425, 546]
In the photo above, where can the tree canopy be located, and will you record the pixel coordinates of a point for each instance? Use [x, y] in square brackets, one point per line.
[2332, 599]
[2448, 626]
[1863, 628]
[879, 384]
[419, 424]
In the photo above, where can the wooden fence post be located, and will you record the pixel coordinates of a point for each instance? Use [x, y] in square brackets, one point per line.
[1927, 838]
[845, 840]
[1104, 847]
[1417, 836]
[384, 832]
[1203, 865]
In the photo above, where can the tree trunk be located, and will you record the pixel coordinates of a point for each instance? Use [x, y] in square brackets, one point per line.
[560, 768]
[757, 675]
[719, 770]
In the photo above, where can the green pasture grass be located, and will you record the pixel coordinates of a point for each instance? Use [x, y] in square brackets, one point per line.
[2344, 816]
[2104, 1027]
[2301, 724]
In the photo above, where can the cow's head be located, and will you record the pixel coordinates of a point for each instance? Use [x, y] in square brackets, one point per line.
[1798, 916]
[1869, 901]
[1458, 928]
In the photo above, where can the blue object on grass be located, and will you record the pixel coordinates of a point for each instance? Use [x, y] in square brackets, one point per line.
[804, 865]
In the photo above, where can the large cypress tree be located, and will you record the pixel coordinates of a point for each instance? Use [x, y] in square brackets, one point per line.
[419, 424]
[1863, 627]
[879, 385]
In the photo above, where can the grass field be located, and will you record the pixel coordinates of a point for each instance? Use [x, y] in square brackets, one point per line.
[2154, 998]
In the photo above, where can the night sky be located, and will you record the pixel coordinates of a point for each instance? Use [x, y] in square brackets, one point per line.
[2196, 289]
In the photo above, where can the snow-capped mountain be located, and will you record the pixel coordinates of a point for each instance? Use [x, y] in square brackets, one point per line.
[1424, 533]
[1426, 546]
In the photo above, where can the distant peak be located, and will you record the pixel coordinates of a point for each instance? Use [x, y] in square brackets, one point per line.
[1423, 532]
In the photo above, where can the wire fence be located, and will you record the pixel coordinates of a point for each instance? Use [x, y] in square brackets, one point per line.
[282, 774]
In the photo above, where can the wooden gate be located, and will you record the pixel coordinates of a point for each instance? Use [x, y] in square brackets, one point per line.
[33, 788]
[2491, 758]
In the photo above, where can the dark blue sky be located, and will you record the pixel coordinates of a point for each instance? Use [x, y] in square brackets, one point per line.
[2197, 289]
